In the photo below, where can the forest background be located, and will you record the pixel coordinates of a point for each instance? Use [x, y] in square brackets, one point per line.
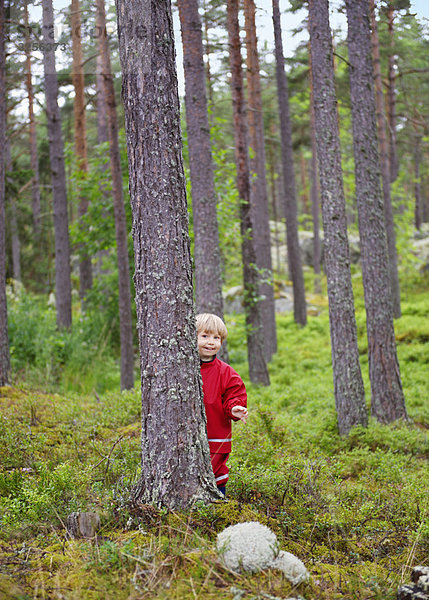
[353, 508]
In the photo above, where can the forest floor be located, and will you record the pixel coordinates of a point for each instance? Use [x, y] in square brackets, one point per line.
[353, 509]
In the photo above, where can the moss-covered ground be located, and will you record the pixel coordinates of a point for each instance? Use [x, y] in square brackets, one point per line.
[354, 509]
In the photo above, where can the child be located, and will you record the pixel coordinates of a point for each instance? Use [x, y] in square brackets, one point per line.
[225, 396]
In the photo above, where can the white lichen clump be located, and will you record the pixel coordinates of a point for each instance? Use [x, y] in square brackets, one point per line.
[247, 546]
[253, 547]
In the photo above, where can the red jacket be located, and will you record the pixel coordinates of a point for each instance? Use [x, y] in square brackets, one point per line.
[223, 389]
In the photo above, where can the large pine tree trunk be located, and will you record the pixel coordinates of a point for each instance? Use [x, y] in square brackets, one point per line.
[125, 312]
[34, 160]
[387, 398]
[58, 176]
[293, 250]
[258, 371]
[208, 276]
[85, 268]
[348, 384]
[259, 196]
[4, 338]
[385, 172]
[176, 468]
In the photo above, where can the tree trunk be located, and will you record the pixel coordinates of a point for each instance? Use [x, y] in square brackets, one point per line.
[208, 275]
[58, 176]
[387, 398]
[348, 384]
[314, 190]
[125, 313]
[391, 96]
[102, 127]
[258, 195]
[385, 173]
[14, 233]
[176, 468]
[85, 268]
[294, 255]
[417, 185]
[34, 160]
[4, 338]
[258, 371]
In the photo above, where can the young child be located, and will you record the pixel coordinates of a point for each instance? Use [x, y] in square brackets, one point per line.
[225, 396]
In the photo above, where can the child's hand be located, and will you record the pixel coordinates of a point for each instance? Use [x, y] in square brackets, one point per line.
[240, 412]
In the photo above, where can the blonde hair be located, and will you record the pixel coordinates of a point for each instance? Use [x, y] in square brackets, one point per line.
[211, 324]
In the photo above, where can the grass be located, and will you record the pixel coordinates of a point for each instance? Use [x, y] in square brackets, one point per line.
[354, 509]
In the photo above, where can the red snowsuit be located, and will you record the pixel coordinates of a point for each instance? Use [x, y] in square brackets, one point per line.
[223, 389]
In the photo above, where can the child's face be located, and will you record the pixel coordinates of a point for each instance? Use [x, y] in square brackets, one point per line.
[208, 345]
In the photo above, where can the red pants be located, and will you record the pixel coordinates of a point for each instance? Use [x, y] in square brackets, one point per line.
[219, 467]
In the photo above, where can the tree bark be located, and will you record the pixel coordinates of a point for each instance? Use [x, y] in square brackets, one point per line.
[4, 337]
[417, 185]
[348, 384]
[176, 468]
[314, 190]
[391, 97]
[294, 255]
[387, 398]
[258, 195]
[34, 160]
[125, 312]
[258, 371]
[385, 172]
[14, 233]
[58, 176]
[208, 275]
[85, 268]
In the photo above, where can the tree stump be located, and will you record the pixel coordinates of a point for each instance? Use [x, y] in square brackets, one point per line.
[82, 525]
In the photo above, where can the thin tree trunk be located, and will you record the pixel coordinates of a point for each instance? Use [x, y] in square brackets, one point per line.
[56, 153]
[294, 254]
[208, 274]
[14, 232]
[417, 185]
[85, 268]
[258, 371]
[125, 313]
[314, 190]
[385, 173]
[387, 398]
[102, 125]
[258, 195]
[34, 160]
[391, 95]
[4, 337]
[176, 468]
[348, 384]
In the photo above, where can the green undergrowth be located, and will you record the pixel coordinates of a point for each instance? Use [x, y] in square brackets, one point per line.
[354, 509]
